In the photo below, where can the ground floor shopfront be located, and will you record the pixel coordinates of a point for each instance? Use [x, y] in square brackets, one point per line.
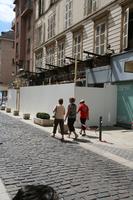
[119, 73]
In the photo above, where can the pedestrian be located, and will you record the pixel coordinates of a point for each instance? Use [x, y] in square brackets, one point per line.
[59, 112]
[36, 192]
[71, 116]
[83, 109]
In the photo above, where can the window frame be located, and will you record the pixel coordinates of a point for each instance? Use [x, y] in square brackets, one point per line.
[61, 53]
[39, 58]
[68, 13]
[96, 24]
[125, 9]
[40, 7]
[38, 35]
[51, 25]
[87, 9]
[50, 54]
[76, 34]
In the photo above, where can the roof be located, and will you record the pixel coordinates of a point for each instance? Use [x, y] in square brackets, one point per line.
[7, 35]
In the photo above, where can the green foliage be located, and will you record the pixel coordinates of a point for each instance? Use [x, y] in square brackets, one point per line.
[43, 115]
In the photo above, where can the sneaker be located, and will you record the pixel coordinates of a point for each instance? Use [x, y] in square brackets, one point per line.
[84, 134]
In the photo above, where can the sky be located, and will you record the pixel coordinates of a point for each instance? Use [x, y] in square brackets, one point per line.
[6, 14]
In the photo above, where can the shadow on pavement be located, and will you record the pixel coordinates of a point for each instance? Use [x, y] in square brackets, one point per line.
[92, 137]
[106, 142]
[66, 141]
[83, 140]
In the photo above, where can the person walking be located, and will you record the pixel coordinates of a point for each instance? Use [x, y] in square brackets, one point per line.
[83, 109]
[71, 116]
[59, 112]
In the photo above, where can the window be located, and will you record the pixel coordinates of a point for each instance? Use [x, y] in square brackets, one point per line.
[40, 7]
[28, 45]
[28, 22]
[38, 59]
[38, 35]
[17, 29]
[44, 32]
[68, 13]
[100, 38]
[61, 53]
[51, 25]
[89, 6]
[52, 2]
[128, 66]
[16, 49]
[127, 28]
[28, 65]
[77, 45]
[13, 61]
[50, 59]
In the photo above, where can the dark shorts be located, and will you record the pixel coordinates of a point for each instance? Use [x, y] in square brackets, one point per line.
[83, 126]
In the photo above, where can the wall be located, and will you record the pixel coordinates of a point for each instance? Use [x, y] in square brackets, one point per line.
[113, 26]
[118, 62]
[44, 98]
[12, 96]
[105, 74]
[7, 67]
[98, 75]
[125, 104]
[101, 101]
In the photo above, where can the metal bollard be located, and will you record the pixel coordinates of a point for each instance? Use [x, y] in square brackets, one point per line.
[100, 127]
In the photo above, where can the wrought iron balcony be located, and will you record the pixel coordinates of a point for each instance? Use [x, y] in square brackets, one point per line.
[27, 8]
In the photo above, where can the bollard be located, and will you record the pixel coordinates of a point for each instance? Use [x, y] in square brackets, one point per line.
[100, 127]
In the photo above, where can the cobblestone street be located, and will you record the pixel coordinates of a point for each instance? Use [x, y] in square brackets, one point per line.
[29, 155]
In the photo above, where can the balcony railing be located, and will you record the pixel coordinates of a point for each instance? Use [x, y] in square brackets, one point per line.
[27, 8]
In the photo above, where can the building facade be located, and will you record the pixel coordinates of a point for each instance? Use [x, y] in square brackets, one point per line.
[86, 41]
[7, 65]
[89, 30]
[66, 28]
[23, 27]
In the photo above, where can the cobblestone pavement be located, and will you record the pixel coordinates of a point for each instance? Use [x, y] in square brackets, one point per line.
[29, 155]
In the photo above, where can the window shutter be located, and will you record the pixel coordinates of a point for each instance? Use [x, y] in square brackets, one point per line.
[125, 28]
[94, 5]
[89, 6]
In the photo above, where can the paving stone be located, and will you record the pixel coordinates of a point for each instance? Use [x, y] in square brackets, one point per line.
[30, 156]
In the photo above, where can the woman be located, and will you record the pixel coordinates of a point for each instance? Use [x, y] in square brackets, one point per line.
[71, 115]
[59, 112]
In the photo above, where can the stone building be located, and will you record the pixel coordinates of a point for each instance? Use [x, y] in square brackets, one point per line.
[96, 32]
[23, 27]
[86, 41]
[7, 65]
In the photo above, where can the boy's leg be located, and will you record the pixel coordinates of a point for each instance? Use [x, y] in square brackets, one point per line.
[83, 127]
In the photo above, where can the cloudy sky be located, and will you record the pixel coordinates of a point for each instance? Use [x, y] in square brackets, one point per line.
[6, 14]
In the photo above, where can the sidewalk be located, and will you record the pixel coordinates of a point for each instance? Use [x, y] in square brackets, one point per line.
[116, 144]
